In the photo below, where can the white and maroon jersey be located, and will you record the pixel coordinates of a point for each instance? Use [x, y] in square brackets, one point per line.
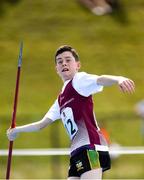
[74, 106]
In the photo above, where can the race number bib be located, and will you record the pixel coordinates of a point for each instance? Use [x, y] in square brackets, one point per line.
[69, 123]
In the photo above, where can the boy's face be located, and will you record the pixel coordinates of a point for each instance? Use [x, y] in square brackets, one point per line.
[66, 65]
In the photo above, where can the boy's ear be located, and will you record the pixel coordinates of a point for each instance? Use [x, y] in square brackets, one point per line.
[78, 65]
[56, 69]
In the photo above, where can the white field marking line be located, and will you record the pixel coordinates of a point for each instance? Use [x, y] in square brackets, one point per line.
[66, 151]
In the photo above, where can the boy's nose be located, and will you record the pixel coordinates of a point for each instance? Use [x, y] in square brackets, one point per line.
[64, 63]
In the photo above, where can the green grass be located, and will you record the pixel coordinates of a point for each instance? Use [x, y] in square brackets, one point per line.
[111, 44]
[44, 167]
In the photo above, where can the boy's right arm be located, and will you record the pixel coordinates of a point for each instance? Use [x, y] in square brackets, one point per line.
[125, 84]
[12, 133]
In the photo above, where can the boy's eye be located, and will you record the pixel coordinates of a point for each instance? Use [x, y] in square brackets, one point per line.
[68, 60]
[59, 62]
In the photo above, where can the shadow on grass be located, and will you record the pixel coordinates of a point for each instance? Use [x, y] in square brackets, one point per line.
[3, 5]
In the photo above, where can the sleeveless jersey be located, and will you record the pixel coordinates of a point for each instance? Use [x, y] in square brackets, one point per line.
[79, 119]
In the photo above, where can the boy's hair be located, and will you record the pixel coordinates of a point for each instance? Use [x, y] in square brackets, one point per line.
[64, 48]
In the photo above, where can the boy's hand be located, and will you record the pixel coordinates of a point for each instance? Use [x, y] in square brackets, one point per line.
[12, 134]
[126, 85]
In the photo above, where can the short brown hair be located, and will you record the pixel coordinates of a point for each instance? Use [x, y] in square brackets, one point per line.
[64, 48]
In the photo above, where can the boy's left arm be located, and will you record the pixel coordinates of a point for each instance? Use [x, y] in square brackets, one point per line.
[125, 84]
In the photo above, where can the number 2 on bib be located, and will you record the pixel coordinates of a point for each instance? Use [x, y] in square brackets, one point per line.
[69, 123]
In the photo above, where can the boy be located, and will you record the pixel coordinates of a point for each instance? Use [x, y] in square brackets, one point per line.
[74, 106]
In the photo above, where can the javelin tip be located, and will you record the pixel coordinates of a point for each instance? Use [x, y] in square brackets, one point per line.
[20, 54]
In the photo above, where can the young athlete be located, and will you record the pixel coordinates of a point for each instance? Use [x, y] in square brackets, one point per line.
[89, 156]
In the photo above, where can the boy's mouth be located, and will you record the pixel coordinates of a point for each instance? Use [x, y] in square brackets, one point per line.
[65, 69]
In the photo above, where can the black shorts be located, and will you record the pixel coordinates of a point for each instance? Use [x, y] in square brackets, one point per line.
[86, 160]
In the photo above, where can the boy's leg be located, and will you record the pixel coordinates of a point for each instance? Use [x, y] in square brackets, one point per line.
[92, 174]
[73, 178]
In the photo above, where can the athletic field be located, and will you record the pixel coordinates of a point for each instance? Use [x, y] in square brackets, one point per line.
[111, 44]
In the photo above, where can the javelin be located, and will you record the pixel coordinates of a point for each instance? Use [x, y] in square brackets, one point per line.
[13, 121]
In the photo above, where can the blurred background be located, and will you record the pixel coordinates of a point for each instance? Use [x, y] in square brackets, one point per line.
[108, 44]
